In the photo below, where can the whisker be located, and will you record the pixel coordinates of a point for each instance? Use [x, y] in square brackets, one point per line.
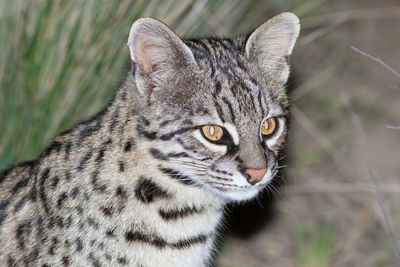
[282, 166]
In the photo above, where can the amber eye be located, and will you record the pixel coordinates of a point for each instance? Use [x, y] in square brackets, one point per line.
[212, 132]
[268, 127]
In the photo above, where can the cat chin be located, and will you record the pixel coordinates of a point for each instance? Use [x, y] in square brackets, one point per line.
[241, 195]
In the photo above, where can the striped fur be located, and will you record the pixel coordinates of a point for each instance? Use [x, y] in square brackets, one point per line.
[139, 184]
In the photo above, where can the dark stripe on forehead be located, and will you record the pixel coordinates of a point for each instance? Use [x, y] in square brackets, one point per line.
[245, 87]
[217, 88]
[231, 112]
[236, 94]
[251, 97]
[220, 112]
[201, 51]
[260, 103]
[264, 105]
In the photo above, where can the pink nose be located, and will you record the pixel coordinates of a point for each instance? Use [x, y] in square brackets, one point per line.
[256, 175]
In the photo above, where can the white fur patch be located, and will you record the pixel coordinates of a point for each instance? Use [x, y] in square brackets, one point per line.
[232, 131]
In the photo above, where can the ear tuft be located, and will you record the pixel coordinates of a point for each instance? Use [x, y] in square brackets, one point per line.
[270, 44]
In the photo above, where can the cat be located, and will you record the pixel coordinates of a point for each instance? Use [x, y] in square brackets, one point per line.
[197, 124]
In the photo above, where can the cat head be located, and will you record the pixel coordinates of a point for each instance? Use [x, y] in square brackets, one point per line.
[215, 110]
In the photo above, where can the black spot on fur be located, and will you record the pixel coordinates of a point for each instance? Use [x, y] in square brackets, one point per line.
[159, 242]
[4, 204]
[79, 210]
[178, 155]
[54, 245]
[95, 261]
[185, 243]
[85, 159]
[42, 190]
[61, 199]
[107, 211]
[55, 146]
[101, 188]
[74, 192]
[68, 222]
[157, 154]
[21, 184]
[129, 145]
[3, 216]
[88, 130]
[60, 222]
[79, 245]
[92, 223]
[65, 260]
[147, 191]
[164, 123]
[100, 156]
[144, 120]
[67, 176]
[54, 184]
[32, 256]
[174, 214]
[20, 204]
[114, 120]
[142, 132]
[121, 166]
[123, 260]
[121, 191]
[110, 232]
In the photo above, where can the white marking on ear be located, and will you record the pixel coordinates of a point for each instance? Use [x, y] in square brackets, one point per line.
[213, 147]
[232, 131]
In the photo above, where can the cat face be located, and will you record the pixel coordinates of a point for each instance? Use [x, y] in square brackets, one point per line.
[219, 106]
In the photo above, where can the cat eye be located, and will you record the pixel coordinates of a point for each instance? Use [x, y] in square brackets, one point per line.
[268, 127]
[212, 132]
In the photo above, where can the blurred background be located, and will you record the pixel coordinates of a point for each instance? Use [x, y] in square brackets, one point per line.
[336, 201]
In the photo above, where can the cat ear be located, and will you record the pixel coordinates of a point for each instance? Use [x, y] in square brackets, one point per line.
[271, 43]
[158, 55]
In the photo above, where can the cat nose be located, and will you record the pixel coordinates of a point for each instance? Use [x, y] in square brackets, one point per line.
[255, 175]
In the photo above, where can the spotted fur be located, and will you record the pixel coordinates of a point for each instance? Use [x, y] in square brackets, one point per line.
[139, 184]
